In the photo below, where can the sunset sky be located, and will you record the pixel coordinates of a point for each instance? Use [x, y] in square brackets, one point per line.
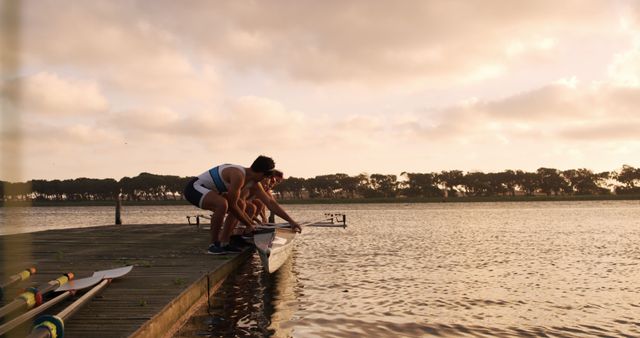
[115, 88]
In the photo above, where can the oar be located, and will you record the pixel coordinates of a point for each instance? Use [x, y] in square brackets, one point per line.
[287, 225]
[53, 326]
[33, 296]
[22, 275]
[67, 290]
[334, 221]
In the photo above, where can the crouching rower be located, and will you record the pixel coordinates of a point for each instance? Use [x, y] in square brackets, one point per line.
[218, 190]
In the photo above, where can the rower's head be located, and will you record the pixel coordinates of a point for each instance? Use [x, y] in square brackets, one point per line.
[263, 165]
[276, 177]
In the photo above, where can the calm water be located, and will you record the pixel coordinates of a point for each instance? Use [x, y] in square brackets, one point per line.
[560, 269]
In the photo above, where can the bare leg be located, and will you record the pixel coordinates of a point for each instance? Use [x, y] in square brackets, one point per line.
[214, 202]
[230, 224]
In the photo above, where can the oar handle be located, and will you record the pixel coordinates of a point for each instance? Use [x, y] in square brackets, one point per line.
[20, 276]
[34, 312]
[32, 297]
[53, 326]
[48, 327]
[58, 282]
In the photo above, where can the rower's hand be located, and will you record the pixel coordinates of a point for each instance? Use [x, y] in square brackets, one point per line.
[296, 227]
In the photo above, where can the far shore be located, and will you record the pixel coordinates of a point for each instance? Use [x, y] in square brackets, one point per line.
[342, 200]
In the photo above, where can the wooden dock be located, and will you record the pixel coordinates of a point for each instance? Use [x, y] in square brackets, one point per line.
[171, 277]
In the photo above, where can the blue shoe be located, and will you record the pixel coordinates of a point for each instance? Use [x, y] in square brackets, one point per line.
[216, 250]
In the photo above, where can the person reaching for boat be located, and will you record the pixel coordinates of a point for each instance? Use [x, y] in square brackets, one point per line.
[267, 185]
[259, 195]
[218, 190]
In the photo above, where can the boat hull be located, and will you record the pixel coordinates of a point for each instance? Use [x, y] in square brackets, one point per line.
[274, 247]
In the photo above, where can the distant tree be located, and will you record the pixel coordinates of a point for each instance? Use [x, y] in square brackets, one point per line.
[509, 180]
[551, 181]
[293, 186]
[475, 183]
[582, 181]
[349, 184]
[383, 185]
[450, 180]
[630, 178]
[420, 185]
[527, 182]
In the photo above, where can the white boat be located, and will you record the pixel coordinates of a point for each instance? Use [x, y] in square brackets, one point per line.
[274, 246]
[274, 241]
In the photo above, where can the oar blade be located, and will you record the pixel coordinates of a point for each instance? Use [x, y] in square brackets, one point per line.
[114, 273]
[79, 284]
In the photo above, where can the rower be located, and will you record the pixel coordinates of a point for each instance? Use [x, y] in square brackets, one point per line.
[218, 190]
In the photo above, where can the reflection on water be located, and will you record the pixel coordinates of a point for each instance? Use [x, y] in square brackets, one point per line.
[250, 303]
[557, 269]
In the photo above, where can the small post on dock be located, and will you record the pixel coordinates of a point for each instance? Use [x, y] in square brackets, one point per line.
[118, 207]
[272, 217]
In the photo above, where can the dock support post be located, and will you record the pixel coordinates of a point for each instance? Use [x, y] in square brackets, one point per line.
[118, 207]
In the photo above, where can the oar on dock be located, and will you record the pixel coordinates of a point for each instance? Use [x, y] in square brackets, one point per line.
[53, 326]
[32, 297]
[67, 290]
[20, 276]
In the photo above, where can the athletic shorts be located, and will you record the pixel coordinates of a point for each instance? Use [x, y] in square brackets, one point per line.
[195, 191]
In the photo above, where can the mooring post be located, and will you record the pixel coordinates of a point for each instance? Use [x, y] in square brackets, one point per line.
[118, 206]
[272, 217]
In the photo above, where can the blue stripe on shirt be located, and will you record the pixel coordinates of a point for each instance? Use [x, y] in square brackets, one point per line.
[217, 180]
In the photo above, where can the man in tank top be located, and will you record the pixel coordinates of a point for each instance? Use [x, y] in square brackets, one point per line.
[218, 190]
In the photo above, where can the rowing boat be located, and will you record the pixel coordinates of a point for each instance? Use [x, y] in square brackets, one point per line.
[274, 241]
[274, 246]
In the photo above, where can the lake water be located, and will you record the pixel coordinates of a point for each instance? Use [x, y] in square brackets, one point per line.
[559, 269]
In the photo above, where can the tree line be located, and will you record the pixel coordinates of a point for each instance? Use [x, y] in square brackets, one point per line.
[454, 183]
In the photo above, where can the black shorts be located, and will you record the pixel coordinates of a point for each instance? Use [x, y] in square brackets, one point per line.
[193, 195]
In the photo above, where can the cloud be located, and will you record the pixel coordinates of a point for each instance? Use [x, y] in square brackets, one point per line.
[145, 46]
[129, 53]
[625, 69]
[49, 94]
[603, 131]
[585, 113]
[156, 82]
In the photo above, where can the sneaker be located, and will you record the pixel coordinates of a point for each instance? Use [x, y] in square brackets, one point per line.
[231, 249]
[216, 250]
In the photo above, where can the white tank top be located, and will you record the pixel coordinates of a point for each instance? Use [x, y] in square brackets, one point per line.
[213, 179]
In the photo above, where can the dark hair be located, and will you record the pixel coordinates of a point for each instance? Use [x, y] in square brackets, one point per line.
[263, 164]
[277, 173]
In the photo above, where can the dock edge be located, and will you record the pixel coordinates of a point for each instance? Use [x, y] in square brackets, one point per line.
[171, 318]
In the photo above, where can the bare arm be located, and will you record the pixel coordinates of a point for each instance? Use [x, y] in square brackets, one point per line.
[271, 203]
[233, 196]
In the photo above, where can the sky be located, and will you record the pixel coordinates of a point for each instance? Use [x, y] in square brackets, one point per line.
[114, 88]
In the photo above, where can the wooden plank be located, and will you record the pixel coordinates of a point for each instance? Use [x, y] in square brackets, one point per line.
[169, 277]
